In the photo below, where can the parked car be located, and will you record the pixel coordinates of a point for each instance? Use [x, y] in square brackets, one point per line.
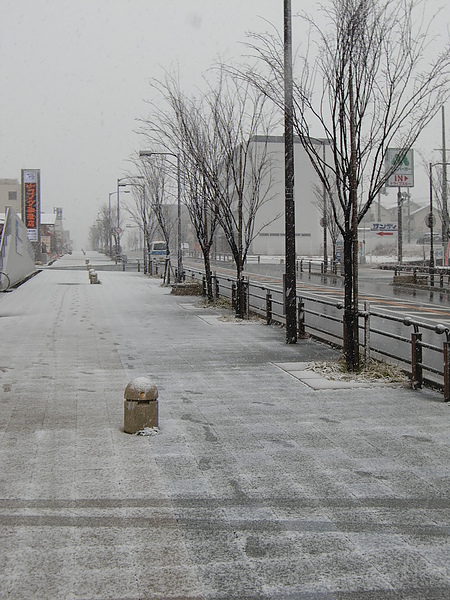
[425, 240]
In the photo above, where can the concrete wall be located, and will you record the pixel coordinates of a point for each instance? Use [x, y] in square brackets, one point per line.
[16, 252]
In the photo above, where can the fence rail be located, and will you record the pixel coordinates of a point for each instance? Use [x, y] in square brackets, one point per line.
[436, 277]
[421, 349]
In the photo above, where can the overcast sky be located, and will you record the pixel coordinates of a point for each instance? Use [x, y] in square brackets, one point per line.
[75, 74]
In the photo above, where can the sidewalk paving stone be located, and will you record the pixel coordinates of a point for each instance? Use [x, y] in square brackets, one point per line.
[262, 482]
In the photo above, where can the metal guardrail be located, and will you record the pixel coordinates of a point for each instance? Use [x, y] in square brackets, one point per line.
[418, 352]
[437, 277]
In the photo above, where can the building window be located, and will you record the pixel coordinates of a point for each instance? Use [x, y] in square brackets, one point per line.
[12, 196]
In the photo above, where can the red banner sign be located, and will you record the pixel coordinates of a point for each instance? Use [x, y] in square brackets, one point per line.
[31, 205]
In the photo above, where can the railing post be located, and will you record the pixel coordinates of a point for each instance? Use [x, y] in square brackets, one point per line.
[447, 371]
[301, 319]
[301, 265]
[416, 360]
[367, 334]
[216, 281]
[268, 308]
[139, 267]
[309, 270]
[247, 297]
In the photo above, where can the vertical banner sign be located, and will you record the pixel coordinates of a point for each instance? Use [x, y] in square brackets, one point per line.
[31, 200]
[401, 167]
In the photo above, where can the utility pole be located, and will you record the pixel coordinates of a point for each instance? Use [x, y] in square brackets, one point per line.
[290, 283]
[445, 218]
[324, 217]
[400, 226]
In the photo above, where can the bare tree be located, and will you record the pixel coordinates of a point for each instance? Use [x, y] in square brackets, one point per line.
[142, 213]
[367, 89]
[155, 171]
[325, 205]
[226, 174]
[99, 231]
[185, 124]
[242, 177]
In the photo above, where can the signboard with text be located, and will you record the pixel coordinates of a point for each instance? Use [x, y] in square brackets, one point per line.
[401, 167]
[384, 226]
[31, 202]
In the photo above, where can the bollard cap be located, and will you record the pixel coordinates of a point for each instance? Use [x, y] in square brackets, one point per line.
[141, 389]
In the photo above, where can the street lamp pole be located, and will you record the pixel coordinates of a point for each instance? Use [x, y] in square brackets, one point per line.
[431, 226]
[118, 220]
[444, 215]
[109, 218]
[119, 185]
[143, 153]
[144, 217]
[109, 223]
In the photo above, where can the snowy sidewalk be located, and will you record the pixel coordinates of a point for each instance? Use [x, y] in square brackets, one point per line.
[256, 486]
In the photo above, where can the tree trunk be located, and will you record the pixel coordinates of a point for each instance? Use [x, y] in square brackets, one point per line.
[354, 365]
[240, 290]
[349, 346]
[207, 263]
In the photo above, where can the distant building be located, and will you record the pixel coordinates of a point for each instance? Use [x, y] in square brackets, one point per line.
[413, 223]
[269, 223]
[10, 195]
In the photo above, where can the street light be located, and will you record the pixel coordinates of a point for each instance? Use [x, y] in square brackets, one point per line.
[99, 231]
[430, 220]
[119, 185]
[109, 219]
[144, 216]
[143, 153]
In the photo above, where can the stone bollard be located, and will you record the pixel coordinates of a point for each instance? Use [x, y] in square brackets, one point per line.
[140, 406]
[93, 277]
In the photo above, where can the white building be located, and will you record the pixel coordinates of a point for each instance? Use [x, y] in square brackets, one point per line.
[10, 195]
[308, 231]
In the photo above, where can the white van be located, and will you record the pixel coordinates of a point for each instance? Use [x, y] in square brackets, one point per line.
[158, 251]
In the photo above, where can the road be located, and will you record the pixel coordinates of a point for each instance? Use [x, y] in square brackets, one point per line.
[375, 286]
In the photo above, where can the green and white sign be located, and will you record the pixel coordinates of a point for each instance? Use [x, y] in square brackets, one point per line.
[403, 165]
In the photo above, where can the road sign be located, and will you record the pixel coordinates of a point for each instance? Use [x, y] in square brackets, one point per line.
[430, 220]
[118, 230]
[384, 227]
[403, 175]
[385, 233]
